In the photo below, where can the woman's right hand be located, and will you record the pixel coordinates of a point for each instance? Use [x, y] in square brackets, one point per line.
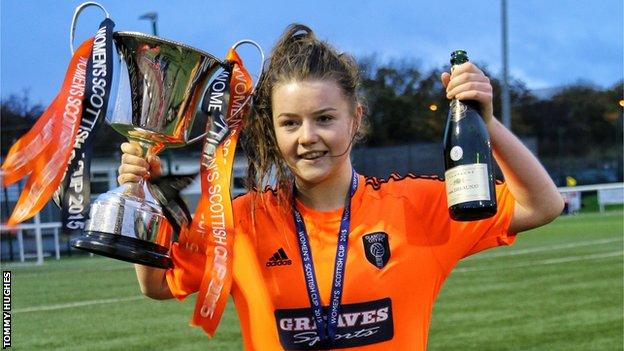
[134, 166]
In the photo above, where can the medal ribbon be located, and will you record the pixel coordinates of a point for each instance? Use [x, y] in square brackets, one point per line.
[212, 228]
[47, 162]
[326, 328]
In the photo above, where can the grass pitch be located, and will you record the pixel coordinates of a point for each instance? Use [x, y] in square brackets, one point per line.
[559, 287]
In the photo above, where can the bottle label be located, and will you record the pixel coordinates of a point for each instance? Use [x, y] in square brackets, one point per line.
[458, 110]
[467, 183]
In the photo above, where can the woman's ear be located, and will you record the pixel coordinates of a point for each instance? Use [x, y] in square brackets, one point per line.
[359, 114]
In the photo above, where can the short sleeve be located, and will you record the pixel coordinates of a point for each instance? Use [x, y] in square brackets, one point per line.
[452, 240]
[188, 265]
[496, 231]
[186, 275]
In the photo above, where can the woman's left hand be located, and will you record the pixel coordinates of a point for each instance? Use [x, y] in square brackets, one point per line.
[468, 82]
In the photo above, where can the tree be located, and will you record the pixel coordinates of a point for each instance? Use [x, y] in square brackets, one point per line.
[17, 116]
[579, 120]
[398, 96]
[406, 105]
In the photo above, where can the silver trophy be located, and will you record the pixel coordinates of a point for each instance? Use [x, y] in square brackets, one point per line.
[161, 83]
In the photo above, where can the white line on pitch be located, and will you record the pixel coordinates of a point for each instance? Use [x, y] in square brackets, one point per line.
[543, 248]
[543, 262]
[75, 304]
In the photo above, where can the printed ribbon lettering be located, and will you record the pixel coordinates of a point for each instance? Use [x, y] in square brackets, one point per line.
[75, 190]
[57, 125]
[212, 229]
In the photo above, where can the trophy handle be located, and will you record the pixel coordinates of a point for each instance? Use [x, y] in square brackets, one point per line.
[257, 46]
[77, 12]
[253, 89]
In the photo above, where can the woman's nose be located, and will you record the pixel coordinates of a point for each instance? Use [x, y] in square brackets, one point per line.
[308, 133]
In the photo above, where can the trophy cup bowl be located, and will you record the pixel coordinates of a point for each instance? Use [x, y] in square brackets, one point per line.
[161, 83]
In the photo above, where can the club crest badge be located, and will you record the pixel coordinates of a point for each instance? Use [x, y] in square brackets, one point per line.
[377, 249]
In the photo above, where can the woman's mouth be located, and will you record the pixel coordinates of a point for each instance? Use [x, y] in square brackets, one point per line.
[312, 155]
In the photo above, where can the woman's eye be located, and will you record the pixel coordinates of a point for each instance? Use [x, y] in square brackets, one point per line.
[288, 123]
[325, 118]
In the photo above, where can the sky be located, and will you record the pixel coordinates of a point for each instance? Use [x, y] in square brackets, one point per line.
[551, 43]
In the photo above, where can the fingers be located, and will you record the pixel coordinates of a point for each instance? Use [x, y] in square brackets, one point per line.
[468, 82]
[132, 148]
[134, 166]
[445, 78]
[467, 67]
[470, 90]
[128, 159]
[463, 73]
[132, 171]
[127, 177]
[154, 166]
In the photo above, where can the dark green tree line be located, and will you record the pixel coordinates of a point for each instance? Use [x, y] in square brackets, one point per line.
[576, 121]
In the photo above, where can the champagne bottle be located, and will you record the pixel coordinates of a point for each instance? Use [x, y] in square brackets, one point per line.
[469, 178]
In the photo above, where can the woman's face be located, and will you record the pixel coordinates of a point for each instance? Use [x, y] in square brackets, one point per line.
[313, 120]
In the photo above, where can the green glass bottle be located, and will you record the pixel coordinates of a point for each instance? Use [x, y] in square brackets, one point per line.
[468, 173]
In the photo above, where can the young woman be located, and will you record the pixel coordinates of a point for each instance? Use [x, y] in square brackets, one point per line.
[379, 250]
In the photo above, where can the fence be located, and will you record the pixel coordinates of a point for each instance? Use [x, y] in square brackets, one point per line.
[607, 194]
[38, 228]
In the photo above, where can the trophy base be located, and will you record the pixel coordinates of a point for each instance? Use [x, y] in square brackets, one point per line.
[124, 248]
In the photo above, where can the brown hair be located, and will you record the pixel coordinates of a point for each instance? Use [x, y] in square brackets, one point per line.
[298, 55]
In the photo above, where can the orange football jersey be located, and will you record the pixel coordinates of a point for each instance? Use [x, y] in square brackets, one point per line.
[401, 247]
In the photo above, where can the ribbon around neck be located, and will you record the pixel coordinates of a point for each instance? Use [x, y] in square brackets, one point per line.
[326, 324]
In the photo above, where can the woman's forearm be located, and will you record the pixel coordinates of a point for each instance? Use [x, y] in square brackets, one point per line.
[153, 282]
[537, 199]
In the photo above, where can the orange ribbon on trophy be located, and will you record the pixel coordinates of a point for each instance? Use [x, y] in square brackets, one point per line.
[56, 152]
[212, 229]
[44, 150]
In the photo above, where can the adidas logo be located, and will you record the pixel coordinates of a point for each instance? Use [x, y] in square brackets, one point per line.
[279, 258]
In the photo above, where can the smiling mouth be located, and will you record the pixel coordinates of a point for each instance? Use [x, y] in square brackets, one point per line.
[312, 155]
